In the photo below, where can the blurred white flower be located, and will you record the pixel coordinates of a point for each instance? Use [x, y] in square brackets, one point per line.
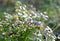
[53, 36]
[32, 12]
[1, 25]
[28, 19]
[25, 29]
[13, 25]
[44, 13]
[38, 15]
[39, 34]
[3, 33]
[45, 18]
[19, 13]
[20, 7]
[20, 23]
[7, 17]
[24, 12]
[39, 39]
[35, 33]
[48, 29]
[58, 36]
[35, 15]
[24, 8]
[19, 10]
[30, 15]
[5, 13]
[41, 14]
[31, 21]
[7, 23]
[53, 40]
[25, 15]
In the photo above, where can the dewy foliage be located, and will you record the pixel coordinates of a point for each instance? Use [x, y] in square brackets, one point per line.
[25, 25]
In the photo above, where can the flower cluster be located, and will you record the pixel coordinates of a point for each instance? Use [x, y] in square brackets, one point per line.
[25, 25]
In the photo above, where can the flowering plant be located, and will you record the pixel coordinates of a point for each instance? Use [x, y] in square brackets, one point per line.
[25, 25]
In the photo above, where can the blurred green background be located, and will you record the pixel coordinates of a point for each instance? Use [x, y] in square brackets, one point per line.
[52, 7]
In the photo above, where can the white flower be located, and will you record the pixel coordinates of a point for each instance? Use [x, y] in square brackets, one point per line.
[30, 15]
[41, 14]
[24, 12]
[48, 29]
[1, 25]
[38, 15]
[35, 33]
[58, 37]
[7, 17]
[53, 36]
[53, 40]
[24, 8]
[48, 34]
[25, 29]
[32, 12]
[25, 15]
[19, 14]
[45, 13]
[28, 19]
[20, 7]
[13, 25]
[35, 15]
[19, 10]
[45, 18]
[31, 6]
[5, 13]
[3, 33]
[38, 39]
[39, 35]
[32, 21]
